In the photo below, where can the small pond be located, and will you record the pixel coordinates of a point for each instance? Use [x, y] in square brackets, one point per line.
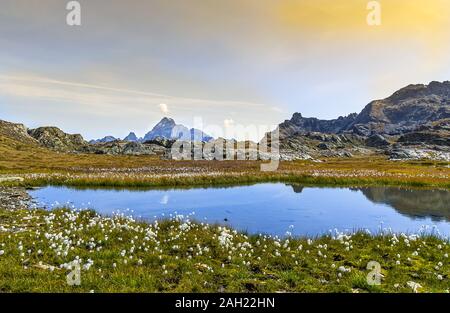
[273, 208]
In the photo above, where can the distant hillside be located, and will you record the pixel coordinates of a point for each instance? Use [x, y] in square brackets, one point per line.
[17, 148]
[104, 139]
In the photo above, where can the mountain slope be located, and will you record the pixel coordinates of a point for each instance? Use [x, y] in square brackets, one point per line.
[404, 111]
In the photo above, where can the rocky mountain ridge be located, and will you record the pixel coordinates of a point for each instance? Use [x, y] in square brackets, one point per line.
[411, 123]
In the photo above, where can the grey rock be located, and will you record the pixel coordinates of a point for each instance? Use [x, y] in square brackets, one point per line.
[377, 141]
[164, 142]
[323, 146]
[418, 154]
[299, 124]
[128, 148]
[15, 198]
[55, 139]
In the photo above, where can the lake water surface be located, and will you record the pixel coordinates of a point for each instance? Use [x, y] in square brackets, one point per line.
[273, 208]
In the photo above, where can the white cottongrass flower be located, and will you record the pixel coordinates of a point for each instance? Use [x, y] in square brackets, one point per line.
[343, 269]
[414, 286]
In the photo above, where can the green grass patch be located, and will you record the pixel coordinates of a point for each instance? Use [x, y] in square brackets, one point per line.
[118, 254]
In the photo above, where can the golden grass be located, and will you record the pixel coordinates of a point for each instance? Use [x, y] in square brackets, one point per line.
[146, 171]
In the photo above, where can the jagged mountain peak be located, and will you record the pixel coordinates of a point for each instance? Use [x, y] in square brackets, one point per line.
[167, 128]
[131, 137]
[165, 122]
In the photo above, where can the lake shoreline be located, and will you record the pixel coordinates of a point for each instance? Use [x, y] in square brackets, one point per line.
[14, 198]
[333, 179]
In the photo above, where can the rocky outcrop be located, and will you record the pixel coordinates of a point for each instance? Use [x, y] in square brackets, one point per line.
[377, 141]
[167, 143]
[55, 139]
[313, 145]
[17, 132]
[435, 133]
[417, 153]
[420, 138]
[15, 198]
[300, 125]
[128, 148]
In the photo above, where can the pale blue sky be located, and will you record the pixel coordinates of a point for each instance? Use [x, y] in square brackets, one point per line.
[252, 62]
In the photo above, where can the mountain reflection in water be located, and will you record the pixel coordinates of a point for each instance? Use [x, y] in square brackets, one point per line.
[415, 203]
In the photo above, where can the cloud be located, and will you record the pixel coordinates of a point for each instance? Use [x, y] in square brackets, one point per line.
[165, 199]
[228, 123]
[36, 101]
[21, 86]
[163, 107]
